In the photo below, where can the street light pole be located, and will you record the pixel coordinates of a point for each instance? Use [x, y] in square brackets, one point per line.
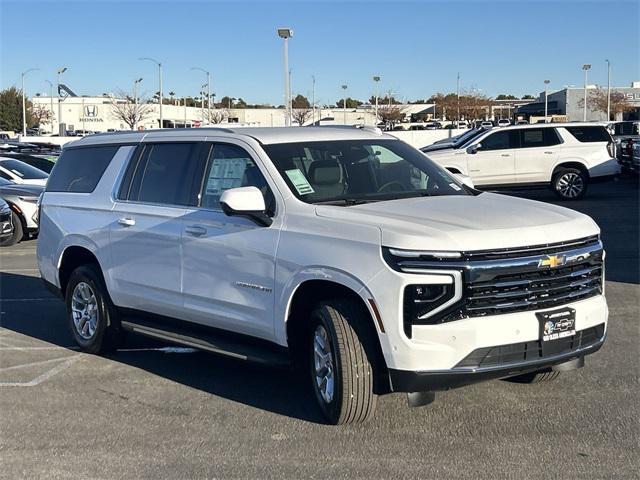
[208, 91]
[160, 83]
[51, 101]
[286, 34]
[608, 90]
[376, 79]
[586, 68]
[313, 100]
[135, 102]
[458, 100]
[24, 102]
[344, 103]
[61, 131]
[546, 83]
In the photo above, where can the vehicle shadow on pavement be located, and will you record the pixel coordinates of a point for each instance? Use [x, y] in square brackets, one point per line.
[30, 310]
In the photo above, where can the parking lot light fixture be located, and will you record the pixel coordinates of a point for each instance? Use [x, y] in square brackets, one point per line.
[159, 82]
[546, 104]
[344, 103]
[24, 102]
[51, 101]
[61, 131]
[286, 34]
[208, 91]
[586, 68]
[135, 101]
[376, 79]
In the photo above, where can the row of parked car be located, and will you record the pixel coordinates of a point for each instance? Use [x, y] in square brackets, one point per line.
[24, 170]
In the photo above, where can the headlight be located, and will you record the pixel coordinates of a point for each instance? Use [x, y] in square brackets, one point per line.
[422, 301]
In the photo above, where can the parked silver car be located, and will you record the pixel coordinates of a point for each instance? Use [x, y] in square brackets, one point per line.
[22, 200]
[6, 225]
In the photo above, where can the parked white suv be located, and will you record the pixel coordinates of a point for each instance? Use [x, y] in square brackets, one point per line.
[345, 250]
[566, 157]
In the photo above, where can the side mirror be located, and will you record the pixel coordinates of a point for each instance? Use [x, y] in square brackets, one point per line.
[465, 179]
[473, 149]
[245, 202]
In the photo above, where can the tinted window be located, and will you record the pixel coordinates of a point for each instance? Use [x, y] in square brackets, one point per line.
[538, 137]
[500, 140]
[589, 134]
[626, 128]
[166, 173]
[228, 167]
[23, 170]
[79, 170]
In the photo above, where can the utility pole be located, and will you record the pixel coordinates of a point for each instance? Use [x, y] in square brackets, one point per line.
[208, 92]
[608, 90]
[586, 68]
[61, 130]
[135, 102]
[344, 103]
[24, 102]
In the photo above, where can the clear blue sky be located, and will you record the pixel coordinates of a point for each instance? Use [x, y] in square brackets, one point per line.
[416, 47]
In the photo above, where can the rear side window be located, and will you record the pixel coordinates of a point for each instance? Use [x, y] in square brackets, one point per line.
[538, 137]
[500, 140]
[589, 134]
[166, 173]
[79, 170]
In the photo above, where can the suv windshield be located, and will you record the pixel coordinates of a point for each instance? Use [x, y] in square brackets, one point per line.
[348, 172]
[23, 170]
[465, 138]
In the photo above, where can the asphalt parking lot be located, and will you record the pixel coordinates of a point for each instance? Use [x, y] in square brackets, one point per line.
[152, 412]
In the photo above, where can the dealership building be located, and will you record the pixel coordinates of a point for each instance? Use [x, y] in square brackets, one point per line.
[568, 103]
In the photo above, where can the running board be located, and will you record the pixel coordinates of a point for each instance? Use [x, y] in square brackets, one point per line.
[249, 350]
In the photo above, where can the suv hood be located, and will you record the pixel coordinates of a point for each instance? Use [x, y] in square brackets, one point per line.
[466, 223]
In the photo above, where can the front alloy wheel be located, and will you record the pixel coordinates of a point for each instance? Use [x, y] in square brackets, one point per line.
[84, 310]
[323, 364]
[570, 184]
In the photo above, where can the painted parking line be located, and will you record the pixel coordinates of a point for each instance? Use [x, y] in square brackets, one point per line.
[45, 376]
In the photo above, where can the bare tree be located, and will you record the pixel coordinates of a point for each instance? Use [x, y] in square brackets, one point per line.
[128, 111]
[391, 114]
[214, 115]
[40, 115]
[301, 115]
[597, 101]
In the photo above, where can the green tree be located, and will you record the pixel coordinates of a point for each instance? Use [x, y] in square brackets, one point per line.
[11, 110]
[503, 96]
[351, 103]
[528, 97]
[300, 101]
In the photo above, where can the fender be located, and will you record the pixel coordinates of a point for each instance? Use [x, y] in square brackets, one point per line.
[317, 272]
[560, 161]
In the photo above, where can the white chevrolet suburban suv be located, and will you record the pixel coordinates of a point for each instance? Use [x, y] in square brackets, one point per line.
[566, 157]
[345, 251]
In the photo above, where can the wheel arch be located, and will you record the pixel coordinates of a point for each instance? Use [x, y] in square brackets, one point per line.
[71, 258]
[570, 163]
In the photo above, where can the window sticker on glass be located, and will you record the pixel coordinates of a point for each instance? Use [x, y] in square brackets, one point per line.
[225, 173]
[455, 187]
[299, 181]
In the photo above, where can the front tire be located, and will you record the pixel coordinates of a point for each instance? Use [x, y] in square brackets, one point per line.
[341, 371]
[18, 232]
[92, 317]
[570, 183]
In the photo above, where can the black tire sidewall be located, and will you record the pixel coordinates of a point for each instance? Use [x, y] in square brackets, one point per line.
[558, 175]
[89, 275]
[331, 410]
[18, 231]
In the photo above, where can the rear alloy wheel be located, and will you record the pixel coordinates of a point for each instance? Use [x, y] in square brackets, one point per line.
[570, 184]
[340, 368]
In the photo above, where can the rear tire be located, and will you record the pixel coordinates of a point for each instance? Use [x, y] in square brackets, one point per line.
[534, 377]
[570, 183]
[93, 319]
[341, 371]
[18, 232]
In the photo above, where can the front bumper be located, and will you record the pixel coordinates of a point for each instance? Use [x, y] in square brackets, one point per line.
[438, 380]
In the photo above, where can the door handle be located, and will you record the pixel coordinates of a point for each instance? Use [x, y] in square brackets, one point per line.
[126, 222]
[505, 155]
[548, 153]
[195, 230]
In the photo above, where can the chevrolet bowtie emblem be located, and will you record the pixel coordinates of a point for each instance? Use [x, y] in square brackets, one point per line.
[552, 261]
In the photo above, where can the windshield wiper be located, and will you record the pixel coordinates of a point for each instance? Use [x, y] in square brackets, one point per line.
[345, 201]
